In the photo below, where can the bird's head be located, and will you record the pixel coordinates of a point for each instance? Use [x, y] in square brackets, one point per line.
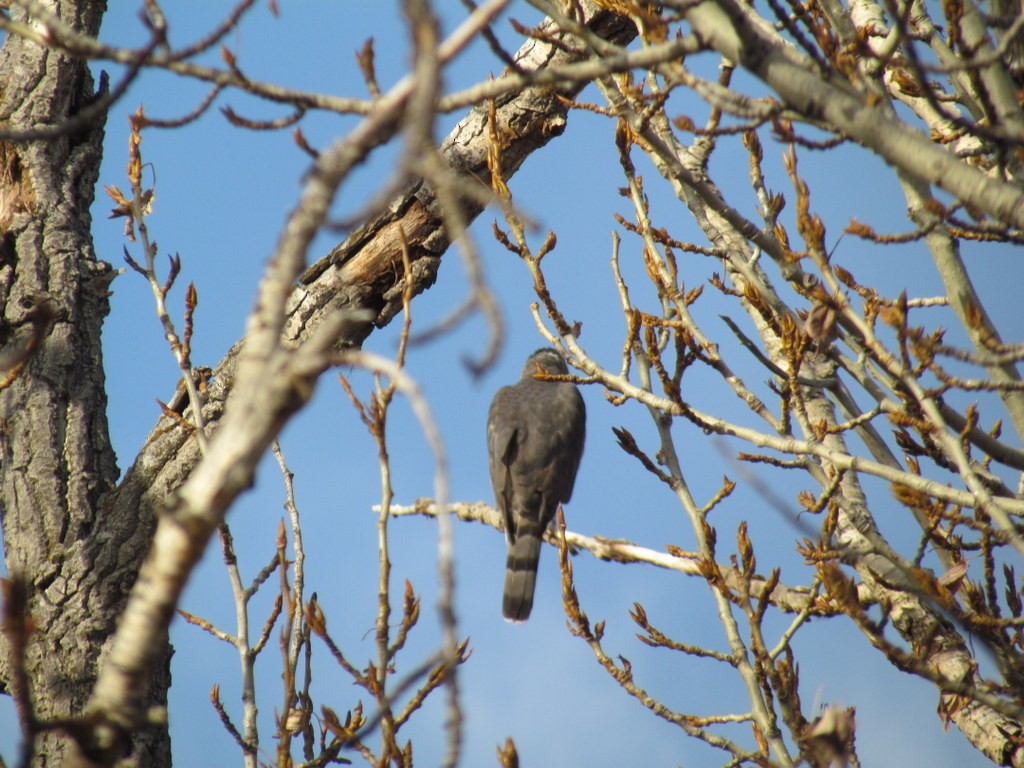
[547, 360]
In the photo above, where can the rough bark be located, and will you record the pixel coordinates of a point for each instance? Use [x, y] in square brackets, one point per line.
[77, 557]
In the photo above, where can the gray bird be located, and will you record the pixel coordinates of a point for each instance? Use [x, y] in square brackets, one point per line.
[535, 433]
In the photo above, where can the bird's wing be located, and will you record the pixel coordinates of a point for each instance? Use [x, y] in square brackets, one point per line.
[565, 424]
[502, 444]
[574, 438]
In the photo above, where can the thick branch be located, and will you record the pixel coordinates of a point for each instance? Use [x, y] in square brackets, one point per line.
[736, 32]
[365, 272]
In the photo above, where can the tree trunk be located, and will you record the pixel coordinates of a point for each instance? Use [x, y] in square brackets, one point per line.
[77, 558]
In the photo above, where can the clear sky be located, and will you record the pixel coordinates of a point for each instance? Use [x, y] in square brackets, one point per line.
[222, 194]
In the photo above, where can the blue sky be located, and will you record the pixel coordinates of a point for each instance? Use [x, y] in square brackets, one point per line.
[222, 195]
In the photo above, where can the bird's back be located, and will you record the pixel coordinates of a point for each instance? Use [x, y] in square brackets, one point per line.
[537, 428]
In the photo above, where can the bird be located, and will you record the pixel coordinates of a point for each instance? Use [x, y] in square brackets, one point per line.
[535, 435]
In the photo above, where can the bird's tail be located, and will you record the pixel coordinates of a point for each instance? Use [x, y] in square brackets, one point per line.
[521, 574]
